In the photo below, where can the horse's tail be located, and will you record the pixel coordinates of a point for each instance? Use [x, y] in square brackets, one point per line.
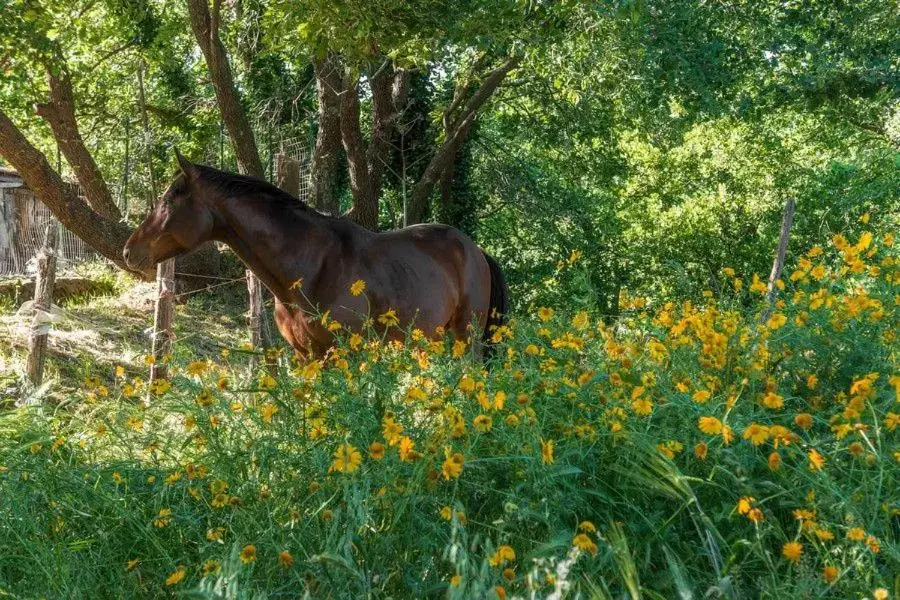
[499, 305]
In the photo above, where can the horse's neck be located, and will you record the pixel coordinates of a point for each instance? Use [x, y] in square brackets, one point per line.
[273, 241]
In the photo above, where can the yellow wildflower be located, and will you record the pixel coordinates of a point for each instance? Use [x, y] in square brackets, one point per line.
[581, 321]
[803, 420]
[163, 518]
[710, 425]
[209, 567]
[701, 450]
[357, 287]
[176, 576]
[587, 526]
[391, 429]
[483, 423]
[267, 411]
[776, 321]
[756, 433]
[792, 551]
[376, 450]
[346, 459]
[406, 449]
[701, 396]
[773, 400]
[248, 554]
[547, 452]
[642, 406]
[670, 448]
[503, 555]
[585, 543]
[389, 318]
[355, 341]
[453, 464]
[197, 367]
[285, 559]
[816, 460]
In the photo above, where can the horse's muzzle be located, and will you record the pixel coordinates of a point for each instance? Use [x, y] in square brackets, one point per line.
[135, 257]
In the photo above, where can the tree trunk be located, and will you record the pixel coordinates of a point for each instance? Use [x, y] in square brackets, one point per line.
[106, 236]
[43, 301]
[326, 156]
[59, 112]
[365, 202]
[384, 113]
[148, 137]
[205, 24]
[440, 162]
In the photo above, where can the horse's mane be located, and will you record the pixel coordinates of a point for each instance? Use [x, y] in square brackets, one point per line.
[244, 185]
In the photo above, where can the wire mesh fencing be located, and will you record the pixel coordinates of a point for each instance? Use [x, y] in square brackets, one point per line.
[23, 225]
[299, 153]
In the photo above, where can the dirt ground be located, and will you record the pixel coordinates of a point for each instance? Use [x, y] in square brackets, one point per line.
[92, 336]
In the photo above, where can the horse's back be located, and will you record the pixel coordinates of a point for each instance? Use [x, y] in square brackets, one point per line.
[434, 269]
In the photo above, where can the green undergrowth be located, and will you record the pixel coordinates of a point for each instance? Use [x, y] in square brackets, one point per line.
[716, 449]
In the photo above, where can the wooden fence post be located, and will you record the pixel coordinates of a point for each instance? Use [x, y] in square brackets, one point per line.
[258, 335]
[162, 317]
[287, 174]
[787, 220]
[43, 301]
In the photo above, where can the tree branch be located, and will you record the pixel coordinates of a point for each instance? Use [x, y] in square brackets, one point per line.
[205, 28]
[326, 156]
[59, 112]
[106, 236]
[384, 113]
[453, 139]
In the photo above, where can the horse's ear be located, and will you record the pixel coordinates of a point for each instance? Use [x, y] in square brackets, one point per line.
[187, 167]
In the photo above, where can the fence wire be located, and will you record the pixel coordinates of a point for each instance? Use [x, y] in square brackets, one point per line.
[23, 223]
[299, 151]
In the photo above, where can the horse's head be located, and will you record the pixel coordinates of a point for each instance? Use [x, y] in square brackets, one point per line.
[180, 221]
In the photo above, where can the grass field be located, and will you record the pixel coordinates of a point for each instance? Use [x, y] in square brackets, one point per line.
[687, 450]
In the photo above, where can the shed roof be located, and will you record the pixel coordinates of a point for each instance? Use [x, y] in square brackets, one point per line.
[9, 178]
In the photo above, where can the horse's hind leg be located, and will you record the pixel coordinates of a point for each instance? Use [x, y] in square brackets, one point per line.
[462, 329]
[467, 325]
[469, 319]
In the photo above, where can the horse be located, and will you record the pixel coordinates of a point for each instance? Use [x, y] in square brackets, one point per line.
[428, 276]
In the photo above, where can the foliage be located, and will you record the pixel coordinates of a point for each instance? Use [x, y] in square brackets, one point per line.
[647, 135]
[685, 448]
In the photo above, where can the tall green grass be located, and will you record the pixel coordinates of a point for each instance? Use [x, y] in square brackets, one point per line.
[687, 451]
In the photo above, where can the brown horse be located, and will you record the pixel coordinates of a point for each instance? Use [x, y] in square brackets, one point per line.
[433, 277]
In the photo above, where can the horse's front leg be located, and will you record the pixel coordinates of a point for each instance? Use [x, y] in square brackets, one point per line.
[285, 320]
